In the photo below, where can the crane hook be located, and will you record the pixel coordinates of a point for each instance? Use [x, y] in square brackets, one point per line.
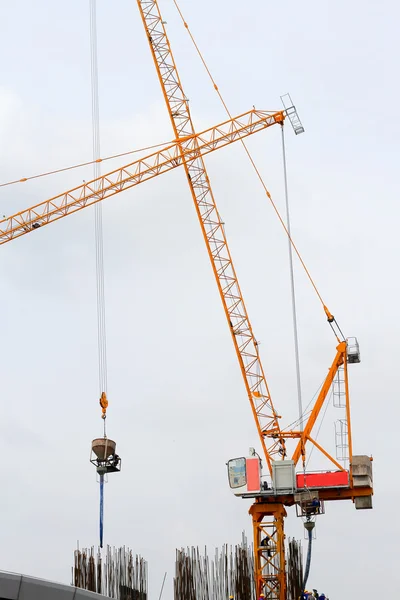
[104, 404]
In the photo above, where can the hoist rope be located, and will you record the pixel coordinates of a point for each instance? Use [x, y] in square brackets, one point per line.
[251, 159]
[292, 288]
[84, 164]
[98, 208]
[98, 233]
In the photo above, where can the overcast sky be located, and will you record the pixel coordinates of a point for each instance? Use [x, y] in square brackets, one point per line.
[178, 407]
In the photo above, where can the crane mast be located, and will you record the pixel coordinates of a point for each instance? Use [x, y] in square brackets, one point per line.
[266, 418]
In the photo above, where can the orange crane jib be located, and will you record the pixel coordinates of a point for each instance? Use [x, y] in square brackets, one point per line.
[168, 158]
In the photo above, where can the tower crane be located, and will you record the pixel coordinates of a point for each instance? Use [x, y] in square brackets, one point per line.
[282, 487]
[268, 510]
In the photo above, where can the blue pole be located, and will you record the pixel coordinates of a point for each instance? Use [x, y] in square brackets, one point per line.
[101, 508]
[308, 561]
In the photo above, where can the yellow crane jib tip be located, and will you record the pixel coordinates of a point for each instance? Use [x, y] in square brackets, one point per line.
[104, 404]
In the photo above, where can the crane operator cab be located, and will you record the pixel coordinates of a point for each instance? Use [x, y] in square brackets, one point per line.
[104, 457]
[244, 475]
[247, 481]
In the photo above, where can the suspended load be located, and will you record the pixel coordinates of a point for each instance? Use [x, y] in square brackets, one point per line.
[105, 458]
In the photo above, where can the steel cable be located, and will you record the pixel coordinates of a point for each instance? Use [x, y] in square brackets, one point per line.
[292, 287]
[98, 225]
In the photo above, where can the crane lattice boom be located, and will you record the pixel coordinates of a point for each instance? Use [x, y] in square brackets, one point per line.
[266, 418]
[136, 172]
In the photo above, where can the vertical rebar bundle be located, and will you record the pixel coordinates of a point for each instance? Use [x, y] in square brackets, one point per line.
[115, 573]
[229, 573]
[294, 570]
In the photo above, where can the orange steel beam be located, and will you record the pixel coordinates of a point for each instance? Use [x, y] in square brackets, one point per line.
[339, 359]
[348, 418]
[263, 503]
[265, 416]
[136, 172]
[320, 448]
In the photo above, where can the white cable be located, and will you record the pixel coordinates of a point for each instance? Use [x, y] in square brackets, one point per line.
[98, 218]
[294, 314]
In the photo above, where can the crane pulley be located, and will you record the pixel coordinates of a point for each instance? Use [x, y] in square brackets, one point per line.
[104, 404]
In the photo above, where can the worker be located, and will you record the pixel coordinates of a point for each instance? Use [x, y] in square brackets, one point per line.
[230, 597]
[265, 543]
[315, 594]
[261, 596]
[314, 507]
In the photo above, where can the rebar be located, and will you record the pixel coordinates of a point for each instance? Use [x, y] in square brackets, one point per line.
[229, 573]
[115, 573]
[294, 570]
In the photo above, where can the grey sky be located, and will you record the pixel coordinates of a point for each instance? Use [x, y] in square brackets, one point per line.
[178, 408]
